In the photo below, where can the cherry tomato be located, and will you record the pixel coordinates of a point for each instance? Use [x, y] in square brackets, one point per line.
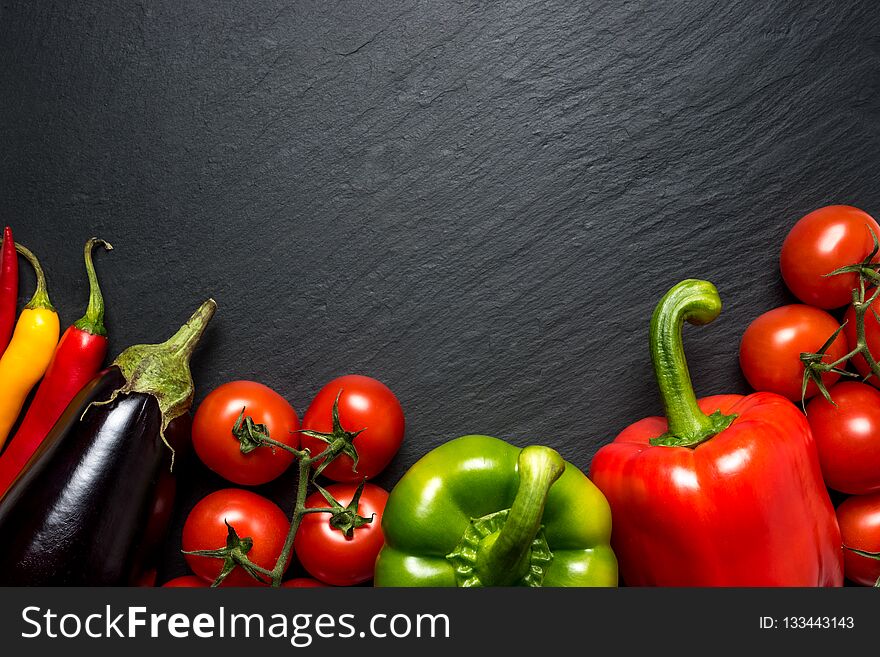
[859, 520]
[848, 437]
[364, 403]
[769, 353]
[251, 515]
[824, 240]
[186, 582]
[872, 337]
[303, 583]
[330, 556]
[218, 448]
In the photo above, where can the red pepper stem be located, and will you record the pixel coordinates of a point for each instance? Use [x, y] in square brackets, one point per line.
[698, 303]
[93, 321]
[507, 554]
[41, 294]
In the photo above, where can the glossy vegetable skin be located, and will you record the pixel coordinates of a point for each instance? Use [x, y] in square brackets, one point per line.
[8, 288]
[77, 359]
[771, 347]
[217, 446]
[84, 508]
[727, 491]
[29, 352]
[326, 552]
[252, 516]
[366, 406]
[78, 515]
[822, 241]
[478, 511]
[859, 519]
[847, 435]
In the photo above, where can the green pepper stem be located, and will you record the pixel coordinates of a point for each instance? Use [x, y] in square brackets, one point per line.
[93, 321]
[41, 294]
[502, 565]
[698, 303]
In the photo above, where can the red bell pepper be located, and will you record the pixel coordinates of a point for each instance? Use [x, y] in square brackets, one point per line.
[8, 288]
[78, 357]
[725, 491]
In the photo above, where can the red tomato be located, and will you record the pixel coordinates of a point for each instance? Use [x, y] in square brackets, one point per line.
[859, 520]
[251, 515]
[872, 336]
[367, 404]
[330, 556]
[186, 582]
[303, 583]
[848, 437]
[822, 241]
[220, 450]
[769, 353]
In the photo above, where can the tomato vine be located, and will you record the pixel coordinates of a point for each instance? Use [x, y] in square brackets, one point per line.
[862, 302]
[253, 436]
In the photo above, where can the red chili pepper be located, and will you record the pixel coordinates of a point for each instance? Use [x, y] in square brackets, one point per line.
[8, 288]
[726, 491]
[78, 357]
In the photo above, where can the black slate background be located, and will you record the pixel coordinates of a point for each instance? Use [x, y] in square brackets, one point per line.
[478, 204]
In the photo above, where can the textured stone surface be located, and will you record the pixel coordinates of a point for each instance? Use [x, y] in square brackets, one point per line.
[477, 205]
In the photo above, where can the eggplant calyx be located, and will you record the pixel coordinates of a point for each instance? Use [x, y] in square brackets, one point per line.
[162, 370]
[233, 555]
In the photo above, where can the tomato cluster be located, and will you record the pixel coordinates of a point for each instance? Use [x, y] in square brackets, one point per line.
[828, 262]
[246, 523]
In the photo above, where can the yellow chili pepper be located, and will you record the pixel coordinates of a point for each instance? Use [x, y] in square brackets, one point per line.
[29, 352]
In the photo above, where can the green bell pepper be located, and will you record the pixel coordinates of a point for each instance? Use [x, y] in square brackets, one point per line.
[478, 511]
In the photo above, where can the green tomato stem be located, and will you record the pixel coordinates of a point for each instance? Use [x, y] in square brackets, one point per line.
[304, 461]
[855, 352]
[814, 367]
[262, 571]
[861, 308]
[300, 454]
[302, 489]
[299, 511]
[319, 509]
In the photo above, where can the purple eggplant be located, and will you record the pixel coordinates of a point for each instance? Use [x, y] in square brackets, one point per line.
[83, 512]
